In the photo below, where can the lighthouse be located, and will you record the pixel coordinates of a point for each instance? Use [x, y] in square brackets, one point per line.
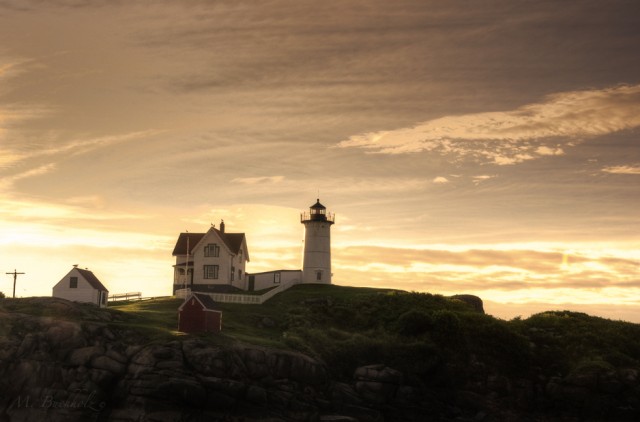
[316, 264]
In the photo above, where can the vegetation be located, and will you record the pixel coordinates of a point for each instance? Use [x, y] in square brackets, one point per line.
[417, 333]
[556, 362]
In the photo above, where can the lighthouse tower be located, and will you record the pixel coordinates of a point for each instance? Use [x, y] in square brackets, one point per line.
[316, 264]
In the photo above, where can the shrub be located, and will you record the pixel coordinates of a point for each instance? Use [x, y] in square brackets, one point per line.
[447, 328]
[414, 323]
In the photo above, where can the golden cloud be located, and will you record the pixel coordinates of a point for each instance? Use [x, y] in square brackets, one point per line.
[510, 137]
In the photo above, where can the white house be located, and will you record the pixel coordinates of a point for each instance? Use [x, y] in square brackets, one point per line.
[211, 262]
[81, 286]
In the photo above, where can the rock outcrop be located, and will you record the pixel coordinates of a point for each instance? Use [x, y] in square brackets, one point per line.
[59, 370]
[473, 301]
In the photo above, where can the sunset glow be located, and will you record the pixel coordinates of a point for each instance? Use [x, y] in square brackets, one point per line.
[463, 149]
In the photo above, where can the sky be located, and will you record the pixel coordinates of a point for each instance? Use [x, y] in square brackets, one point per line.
[488, 148]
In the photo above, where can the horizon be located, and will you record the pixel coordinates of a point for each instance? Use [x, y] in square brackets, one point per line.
[486, 150]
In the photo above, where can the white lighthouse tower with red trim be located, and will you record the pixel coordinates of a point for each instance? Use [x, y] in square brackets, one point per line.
[316, 264]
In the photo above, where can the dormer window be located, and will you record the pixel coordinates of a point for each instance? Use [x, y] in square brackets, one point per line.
[212, 249]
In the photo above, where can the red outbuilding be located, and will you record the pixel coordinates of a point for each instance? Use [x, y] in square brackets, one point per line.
[197, 315]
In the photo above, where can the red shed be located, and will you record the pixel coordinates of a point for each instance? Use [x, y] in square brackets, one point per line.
[197, 315]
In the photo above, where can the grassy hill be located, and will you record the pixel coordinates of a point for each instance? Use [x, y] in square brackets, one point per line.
[556, 362]
[414, 332]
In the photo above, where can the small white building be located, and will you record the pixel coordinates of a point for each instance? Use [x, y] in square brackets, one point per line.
[267, 279]
[81, 286]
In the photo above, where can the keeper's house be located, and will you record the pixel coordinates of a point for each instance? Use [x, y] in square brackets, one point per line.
[210, 262]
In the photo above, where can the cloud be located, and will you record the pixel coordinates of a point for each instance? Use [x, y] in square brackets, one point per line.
[8, 181]
[18, 160]
[622, 169]
[510, 137]
[481, 178]
[440, 180]
[258, 180]
[485, 269]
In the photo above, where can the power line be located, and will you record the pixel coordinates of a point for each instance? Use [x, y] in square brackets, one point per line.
[15, 276]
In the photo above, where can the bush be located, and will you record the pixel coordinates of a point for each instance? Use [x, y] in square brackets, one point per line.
[2, 296]
[414, 323]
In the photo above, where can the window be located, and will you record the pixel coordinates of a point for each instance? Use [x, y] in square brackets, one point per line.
[73, 283]
[319, 276]
[211, 271]
[104, 297]
[212, 249]
[233, 273]
[276, 278]
[239, 274]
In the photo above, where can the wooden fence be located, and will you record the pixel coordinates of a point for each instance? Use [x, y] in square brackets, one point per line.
[125, 296]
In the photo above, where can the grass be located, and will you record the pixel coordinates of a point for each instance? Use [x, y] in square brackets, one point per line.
[348, 326]
[256, 324]
[156, 318]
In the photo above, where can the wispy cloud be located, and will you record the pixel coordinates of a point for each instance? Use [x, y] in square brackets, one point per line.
[258, 180]
[19, 160]
[504, 272]
[622, 169]
[482, 177]
[510, 137]
[8, 181]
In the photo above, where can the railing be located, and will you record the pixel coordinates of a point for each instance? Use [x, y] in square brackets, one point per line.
[305, 216]
[238, 297]
[125, 296]
[182, 293]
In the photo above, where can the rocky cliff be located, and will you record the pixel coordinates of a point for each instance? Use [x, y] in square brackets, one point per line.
[84, 365]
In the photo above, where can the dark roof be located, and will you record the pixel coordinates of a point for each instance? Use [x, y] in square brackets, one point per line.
[181, 244]
[207, 301]
[318, 205]
[232, 240]
[275, 271]
[92, 280]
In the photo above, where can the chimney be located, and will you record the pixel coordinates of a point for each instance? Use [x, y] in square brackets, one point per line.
[222, 226]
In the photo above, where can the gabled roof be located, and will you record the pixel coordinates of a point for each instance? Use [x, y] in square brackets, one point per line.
[92, 280]
[233, 241]
[206, 301]
[181, 244]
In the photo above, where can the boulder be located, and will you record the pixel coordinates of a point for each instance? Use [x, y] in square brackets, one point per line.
[473, 301]
[377, 383]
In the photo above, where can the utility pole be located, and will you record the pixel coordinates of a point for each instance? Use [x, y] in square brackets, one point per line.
[15, 276]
